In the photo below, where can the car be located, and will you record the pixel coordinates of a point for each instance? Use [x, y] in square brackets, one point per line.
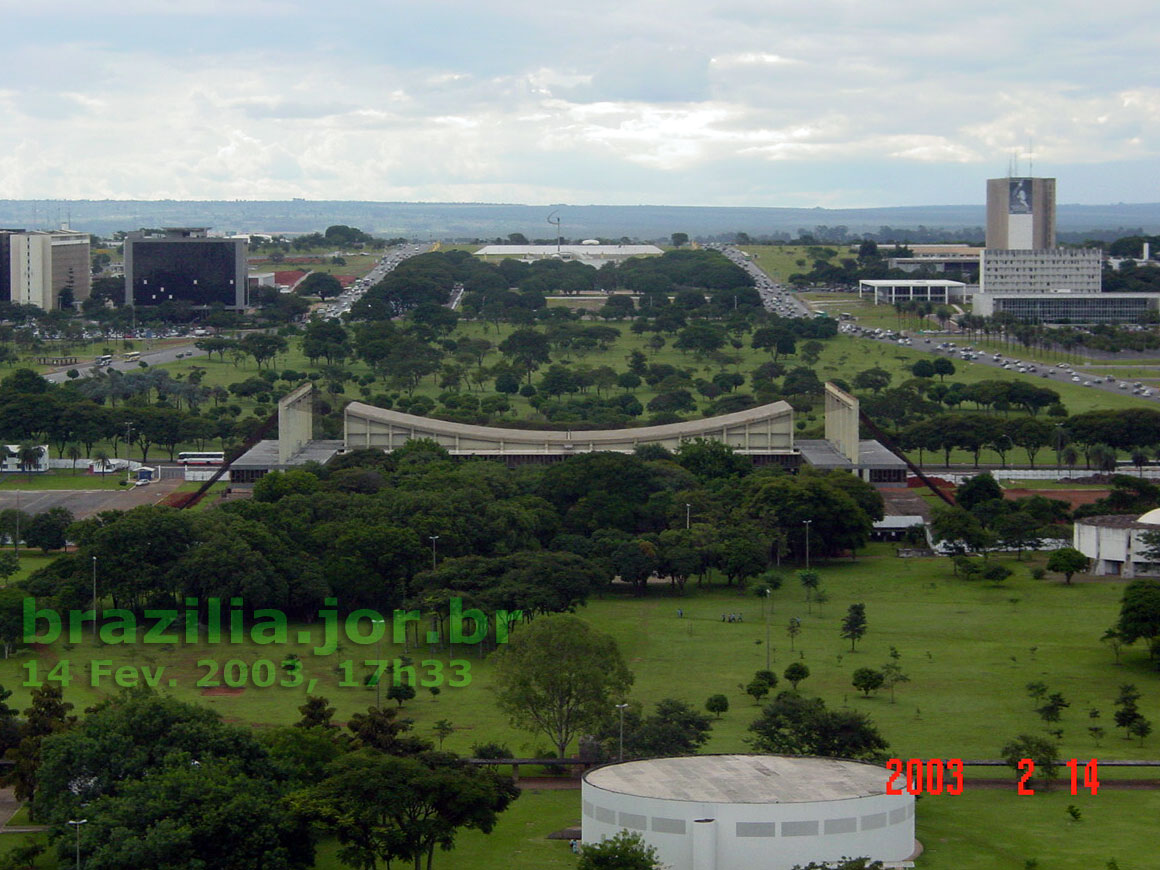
[1076, 378]
[142, 482]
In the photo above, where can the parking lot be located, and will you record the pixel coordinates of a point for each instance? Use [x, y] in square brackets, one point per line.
[86, 503]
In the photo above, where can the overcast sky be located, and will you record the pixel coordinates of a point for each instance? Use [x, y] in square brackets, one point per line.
[717, 102]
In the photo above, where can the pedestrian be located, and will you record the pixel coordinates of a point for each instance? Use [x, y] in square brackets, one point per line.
[575, 846]
[722, 617]
[680, 613]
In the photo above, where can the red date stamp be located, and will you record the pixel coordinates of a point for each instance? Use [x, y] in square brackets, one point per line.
[935, 776]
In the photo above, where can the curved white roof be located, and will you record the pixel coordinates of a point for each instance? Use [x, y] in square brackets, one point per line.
[1152, 518]
[745, 779]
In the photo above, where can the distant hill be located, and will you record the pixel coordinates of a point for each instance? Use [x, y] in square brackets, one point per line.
[488, 220]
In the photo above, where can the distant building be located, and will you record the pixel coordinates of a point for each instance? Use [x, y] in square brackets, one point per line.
[45, 268]
[186, 265]
[1115, 543]
[588, 253]
[888, 291]
[1041, 271]
[1066, 306]
[1021, 213]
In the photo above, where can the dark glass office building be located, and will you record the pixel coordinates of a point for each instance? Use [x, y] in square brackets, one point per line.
[185, 265]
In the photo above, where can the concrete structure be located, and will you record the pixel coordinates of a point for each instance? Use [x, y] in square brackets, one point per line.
[1021, 213]
[37, 267]
[595, 255]
[1042, 271]
[891, 290]
[764, 433]
[723, 812]
[294, 444]
[1115, 543]
[842, 421]
[1065, 306]
[185, 264]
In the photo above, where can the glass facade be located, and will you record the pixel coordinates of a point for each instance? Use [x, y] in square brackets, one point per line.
[1086, 308]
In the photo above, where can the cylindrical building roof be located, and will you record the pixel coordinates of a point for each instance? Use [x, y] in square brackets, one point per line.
[743, 779]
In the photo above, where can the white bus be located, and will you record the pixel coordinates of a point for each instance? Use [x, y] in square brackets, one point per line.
[105, 360]
[201, 458]
[131, 356]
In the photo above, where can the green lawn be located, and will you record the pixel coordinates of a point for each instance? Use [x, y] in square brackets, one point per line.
[969, 649]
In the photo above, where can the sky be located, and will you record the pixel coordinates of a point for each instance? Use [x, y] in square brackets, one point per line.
[830, 103]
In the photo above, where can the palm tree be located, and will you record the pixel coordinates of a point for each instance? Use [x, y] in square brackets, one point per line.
[1139, 459]
[1104, 457]
[1070, 456]
[100, 459]
[28, 457]
[74, 452]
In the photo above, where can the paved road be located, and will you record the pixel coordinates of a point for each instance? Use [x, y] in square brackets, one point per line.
[85, 502]
[1054, 374]
[775, 297]
[153, 357]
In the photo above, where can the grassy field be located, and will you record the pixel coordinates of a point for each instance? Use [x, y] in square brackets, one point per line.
[356, 264]
[969, 649]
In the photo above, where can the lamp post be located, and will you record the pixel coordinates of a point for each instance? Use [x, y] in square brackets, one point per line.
[76, 823]
[379, 666]
[621, 708]
[434, 538]
[806, 523]
[766, 609]
[688, 513]
[94, 599]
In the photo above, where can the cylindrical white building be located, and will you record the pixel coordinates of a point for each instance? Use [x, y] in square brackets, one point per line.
[718, 812]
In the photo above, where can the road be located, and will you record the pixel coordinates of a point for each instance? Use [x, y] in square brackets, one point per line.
[775, 297]
[1045, 371]
[152, 357]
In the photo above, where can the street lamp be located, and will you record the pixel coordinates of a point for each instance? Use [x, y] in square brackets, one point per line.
[766, 610]
[621, 708]
[807, 525]
[688, 510]
[434, 538]
[76, 823]
[379, 666]
[94, 599]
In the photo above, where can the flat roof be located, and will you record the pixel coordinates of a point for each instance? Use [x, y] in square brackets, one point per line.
[873, 454]
[264, 454]
[821, 454]
[1117, 521]
[571, 250]
[742, 779]
[903, 282]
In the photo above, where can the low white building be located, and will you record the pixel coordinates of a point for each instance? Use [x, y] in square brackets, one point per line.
[1115, 543]
[731, 812]
[891, 290]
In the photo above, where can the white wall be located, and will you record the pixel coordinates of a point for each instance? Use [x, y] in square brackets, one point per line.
[779, 836]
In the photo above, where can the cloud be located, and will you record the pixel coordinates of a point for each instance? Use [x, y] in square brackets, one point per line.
[736, 102]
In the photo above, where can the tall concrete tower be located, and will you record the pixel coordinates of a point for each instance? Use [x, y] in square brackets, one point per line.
[1020, 214]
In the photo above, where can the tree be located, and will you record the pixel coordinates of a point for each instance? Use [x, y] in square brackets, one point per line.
[868, 680]
[443, 729]
[316, 713]
[1067, 561]
[674, 729]
[892, 673]
[757, 689]
[9, 565]
[1041, 750]
[680, 239]
[876, 379]
[795, 673]
[73, 453]
[854, 624]
[924, 368]
[793, 629]
[528, 348]
[262, 347]
[559, 676]
[976, 490]
[384, 807]
[794, 725]
[1140, 613]
[943, 367]
[47, 529]
[717, 704]
[622, 851]
[1128, 711]
[320, 284]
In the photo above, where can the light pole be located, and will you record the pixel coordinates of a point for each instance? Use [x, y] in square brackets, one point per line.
[94, 599]
[621, 708]
[76, 823]
[767, 608]
[807, 525]
[434, 538]
[379, 666]
[688, 513]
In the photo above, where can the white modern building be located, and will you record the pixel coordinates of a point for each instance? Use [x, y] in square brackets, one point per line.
[888, 291]
[1040, 271]
[590, 254]
[1115, 543]
[729, 812]
[44, 268]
